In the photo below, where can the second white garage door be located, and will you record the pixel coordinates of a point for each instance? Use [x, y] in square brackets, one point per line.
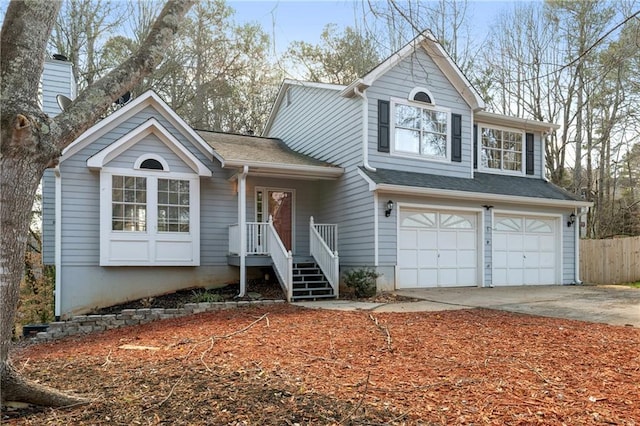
[437, 248]
[525, 250]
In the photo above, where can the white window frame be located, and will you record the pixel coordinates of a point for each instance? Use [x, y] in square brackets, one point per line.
[501, 170]
[425, 106]
[150, 247]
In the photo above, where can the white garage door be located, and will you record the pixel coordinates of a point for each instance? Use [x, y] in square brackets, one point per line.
[525, 250]
[437, 249]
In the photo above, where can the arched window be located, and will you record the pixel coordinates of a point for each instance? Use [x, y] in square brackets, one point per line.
[421, 94]
[152, 164]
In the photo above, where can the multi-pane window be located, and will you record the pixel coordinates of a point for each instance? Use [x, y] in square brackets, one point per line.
[502, 149]
[129, 203]
[421, 131]
[173, 205]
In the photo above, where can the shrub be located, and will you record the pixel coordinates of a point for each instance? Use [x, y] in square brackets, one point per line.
[362, 280]
[207, 297]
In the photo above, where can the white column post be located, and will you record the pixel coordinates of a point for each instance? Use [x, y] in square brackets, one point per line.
[242, 223]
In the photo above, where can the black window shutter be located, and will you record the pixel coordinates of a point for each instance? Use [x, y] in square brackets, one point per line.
[475, 146]
[456, 138]
[383, 126]
[529, 156]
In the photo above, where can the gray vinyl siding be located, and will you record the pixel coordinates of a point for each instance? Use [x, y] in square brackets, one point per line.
[48, 217]
[326, 126]
[568, 250]
[322, 124]
[488, 245]
[419, 70]
[150, 144]
[57, 79]
[81, 196]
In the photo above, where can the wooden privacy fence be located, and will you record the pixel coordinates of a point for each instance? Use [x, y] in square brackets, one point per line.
[611, 261]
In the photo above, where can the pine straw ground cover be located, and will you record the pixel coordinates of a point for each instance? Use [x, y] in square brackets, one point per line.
[284, 365]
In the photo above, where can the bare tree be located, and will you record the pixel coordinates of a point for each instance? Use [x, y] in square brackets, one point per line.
[32, 141]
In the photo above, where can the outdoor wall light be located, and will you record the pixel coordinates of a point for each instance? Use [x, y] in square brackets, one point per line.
[572, 219]
[387, 212]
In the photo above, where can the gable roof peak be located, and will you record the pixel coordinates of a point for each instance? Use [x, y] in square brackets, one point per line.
[432, 47]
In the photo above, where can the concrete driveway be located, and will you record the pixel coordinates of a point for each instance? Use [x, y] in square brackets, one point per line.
[615, 305]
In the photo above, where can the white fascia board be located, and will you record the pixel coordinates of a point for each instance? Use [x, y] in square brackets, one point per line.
[453, 73]
[151, 126]
[293, 170]
[520, 123]
[372, 185]
[148, 98]
[480, 196]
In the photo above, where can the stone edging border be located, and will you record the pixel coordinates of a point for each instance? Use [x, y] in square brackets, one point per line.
[85, 324]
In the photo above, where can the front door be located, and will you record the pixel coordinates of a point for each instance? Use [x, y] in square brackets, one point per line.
[278, 205]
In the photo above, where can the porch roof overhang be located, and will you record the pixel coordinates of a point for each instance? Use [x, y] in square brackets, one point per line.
[267, 157]
[483, 187]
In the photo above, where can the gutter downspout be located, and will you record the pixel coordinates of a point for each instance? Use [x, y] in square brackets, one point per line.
[367, 166]
[242, 223]
[365, 129]
[58, 242]
[579, 215]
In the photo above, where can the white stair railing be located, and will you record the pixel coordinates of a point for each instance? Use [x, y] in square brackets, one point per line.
[257, 241]
[326, 258]
[282, 259]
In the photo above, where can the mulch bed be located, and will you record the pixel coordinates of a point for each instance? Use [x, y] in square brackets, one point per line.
[285, 365]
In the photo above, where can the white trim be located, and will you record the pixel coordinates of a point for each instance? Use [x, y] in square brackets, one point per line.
[151, 236]
[520, 123]
[149, 127]
[416, 90]
[392, 130]
[479, 214]
[376, 232]
[292, 170]
[58, 241]
[480, 196]
[242, 223]
[558, 217]
[501, 171]
[159, 159]
[576, 247]
[147, 99]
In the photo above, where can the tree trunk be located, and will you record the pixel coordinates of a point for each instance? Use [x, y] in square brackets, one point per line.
[31, 142]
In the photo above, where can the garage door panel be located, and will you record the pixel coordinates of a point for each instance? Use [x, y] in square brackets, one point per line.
[467, 276]
[408, 276]
[427, 278]
[547, 276]
[435, 246]
[447, 240]
[408, 239]
[428, 239]
[525, 254]
[467, 259]
[514, 259]
[427, 259]
[408, 258]
[547, 243]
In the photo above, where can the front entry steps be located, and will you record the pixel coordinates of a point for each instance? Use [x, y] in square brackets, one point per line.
[309, 283]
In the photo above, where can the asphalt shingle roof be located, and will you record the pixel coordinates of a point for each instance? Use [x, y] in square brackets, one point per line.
[233, 147]
[485, 183]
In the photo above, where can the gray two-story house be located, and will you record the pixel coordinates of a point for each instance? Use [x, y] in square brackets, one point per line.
[401, 171]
